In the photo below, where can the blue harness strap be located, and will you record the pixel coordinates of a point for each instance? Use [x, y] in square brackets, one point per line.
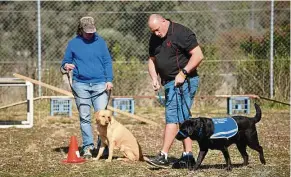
[224, 128]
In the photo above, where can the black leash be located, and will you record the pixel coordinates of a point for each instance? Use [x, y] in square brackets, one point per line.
[75, 93]
[264, 98]
[183, 98]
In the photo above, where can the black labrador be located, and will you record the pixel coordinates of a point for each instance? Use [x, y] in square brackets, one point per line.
[202, 128]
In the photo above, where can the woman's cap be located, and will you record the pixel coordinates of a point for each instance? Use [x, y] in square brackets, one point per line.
[88, 24]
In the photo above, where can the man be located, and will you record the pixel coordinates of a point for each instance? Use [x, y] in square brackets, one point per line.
[88, 56]
[174, 56]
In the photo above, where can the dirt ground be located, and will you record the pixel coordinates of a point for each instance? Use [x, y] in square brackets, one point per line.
[38, 151]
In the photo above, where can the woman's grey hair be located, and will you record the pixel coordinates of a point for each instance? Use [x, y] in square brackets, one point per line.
[79, 29]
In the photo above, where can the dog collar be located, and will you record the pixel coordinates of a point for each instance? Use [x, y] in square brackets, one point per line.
[200, 130]
[183, 134]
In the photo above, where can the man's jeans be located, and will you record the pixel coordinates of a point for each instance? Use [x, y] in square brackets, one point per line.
[88, 94]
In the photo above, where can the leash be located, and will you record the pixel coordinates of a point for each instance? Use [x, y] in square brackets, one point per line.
[163, 102]
[75, 93]
[181, 93]
[109, 94]
[264, 98]
[183, 98]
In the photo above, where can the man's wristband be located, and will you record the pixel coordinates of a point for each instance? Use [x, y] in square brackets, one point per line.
[184, 72]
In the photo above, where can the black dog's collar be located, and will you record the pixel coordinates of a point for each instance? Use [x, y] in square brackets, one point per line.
[183, 134]
[200, 130]
[186, 135]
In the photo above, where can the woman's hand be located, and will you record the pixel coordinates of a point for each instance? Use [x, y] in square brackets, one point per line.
[68, 67]
[109, 86]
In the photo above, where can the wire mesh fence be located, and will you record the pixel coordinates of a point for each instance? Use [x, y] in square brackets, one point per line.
[234, 36]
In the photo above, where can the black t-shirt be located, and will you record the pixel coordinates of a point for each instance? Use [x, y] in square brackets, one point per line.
[172, 51]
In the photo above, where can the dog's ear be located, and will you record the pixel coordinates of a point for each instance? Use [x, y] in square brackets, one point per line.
[193, 126]
[96, 115]
[111, 117]
[209, 128]
[190, 130]
[188, 126]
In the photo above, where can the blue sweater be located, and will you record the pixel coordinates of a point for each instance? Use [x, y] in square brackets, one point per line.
[92, 60]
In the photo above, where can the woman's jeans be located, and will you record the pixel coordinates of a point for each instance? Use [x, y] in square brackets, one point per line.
[87, 95]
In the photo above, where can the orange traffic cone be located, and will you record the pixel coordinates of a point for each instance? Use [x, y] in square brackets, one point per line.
[74, 154]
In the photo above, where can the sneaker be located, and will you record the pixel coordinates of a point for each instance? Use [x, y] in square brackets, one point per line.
[186, 161]
[87, 153]
[159, 161]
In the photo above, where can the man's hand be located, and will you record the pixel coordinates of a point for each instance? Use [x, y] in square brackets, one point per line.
[179, 79]
[68, 67]
[109, 86]
[156, 85]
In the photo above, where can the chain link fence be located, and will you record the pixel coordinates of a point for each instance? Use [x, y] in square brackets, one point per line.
[234, 36]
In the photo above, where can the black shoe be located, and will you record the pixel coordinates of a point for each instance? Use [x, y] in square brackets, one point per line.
[186, 161]
[159, 161]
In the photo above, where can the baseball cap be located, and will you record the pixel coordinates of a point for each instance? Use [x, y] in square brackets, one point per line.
[88, 24]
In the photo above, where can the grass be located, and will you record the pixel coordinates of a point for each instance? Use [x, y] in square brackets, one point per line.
[39, 151]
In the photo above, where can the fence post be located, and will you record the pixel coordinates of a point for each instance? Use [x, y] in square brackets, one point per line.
[271, 51]
[39, 45]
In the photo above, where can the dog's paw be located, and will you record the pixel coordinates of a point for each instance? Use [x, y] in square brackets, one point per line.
[123, 159]
[95, 159]
[228, 168]
[245, 164]
[263, 161]
[195, 168]
[108, 160]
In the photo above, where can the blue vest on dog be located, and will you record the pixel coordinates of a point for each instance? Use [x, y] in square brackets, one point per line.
[224, 128]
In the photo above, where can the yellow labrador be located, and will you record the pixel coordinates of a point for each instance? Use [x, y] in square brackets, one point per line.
[116, 136]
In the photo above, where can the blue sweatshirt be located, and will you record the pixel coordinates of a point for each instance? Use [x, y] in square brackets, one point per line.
[92, 60]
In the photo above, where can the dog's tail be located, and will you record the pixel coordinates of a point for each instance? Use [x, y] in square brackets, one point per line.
[258, 115]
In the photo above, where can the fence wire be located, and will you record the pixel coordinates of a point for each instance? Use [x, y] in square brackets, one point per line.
[234, 36]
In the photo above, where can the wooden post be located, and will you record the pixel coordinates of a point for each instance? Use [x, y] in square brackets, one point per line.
[65, 92]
